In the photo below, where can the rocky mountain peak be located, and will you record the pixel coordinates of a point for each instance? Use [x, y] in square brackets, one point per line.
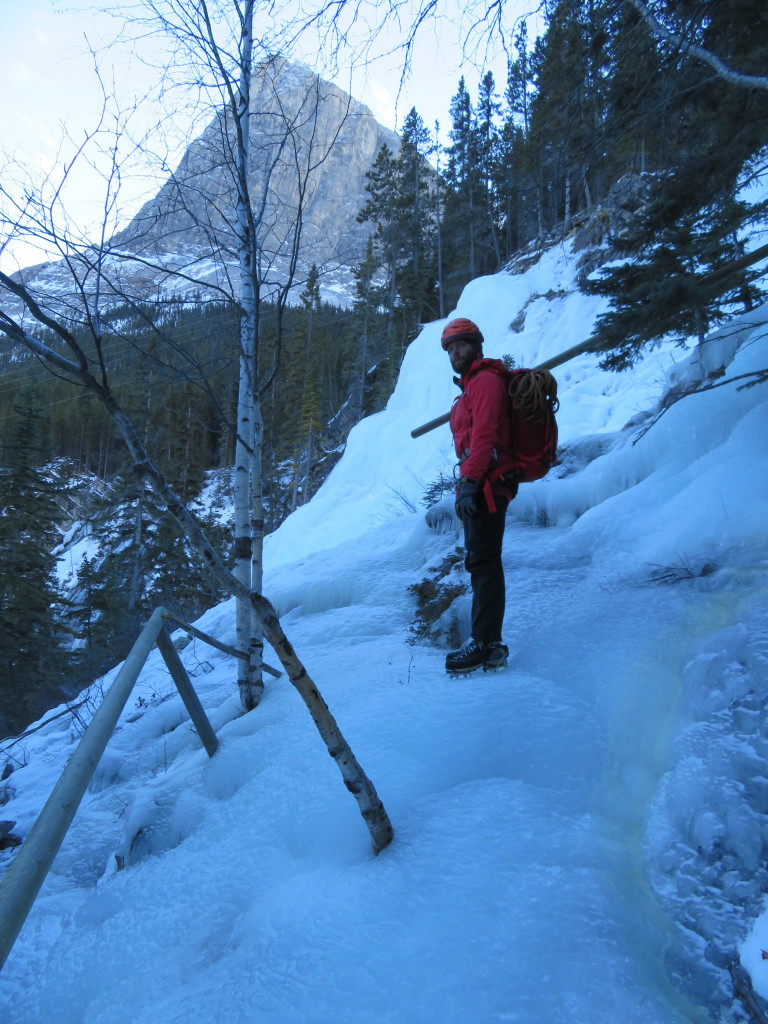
[311, 146]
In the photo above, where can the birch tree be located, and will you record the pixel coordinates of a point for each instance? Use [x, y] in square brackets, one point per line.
[215, 39]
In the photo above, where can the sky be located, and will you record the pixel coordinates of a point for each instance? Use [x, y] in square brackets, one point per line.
[48, 81]
[577, 837]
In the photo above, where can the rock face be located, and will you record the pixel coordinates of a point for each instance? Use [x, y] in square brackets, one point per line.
[311, 146]
[615, 218]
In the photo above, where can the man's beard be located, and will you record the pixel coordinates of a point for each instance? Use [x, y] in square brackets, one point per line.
[463, 362]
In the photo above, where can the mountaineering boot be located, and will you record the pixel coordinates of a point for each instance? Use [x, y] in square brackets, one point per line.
[468, 657]
[488, 655]
[497, 657]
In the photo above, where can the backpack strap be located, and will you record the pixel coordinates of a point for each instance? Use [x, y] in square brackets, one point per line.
[496, 474]
[490, 501]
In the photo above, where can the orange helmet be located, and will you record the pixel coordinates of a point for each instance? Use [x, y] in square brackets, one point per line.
[461, 330]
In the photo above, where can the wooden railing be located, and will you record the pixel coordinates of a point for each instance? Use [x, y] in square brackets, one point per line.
[25, 876]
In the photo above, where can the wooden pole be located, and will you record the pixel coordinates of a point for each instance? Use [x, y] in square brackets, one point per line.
[548, 364]
[25, 876]
[187, 692]
[213, 642]
[357, 782]
[23, 879]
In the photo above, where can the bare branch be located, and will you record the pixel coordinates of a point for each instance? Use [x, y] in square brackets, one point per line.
[752, 378]
[688, 48]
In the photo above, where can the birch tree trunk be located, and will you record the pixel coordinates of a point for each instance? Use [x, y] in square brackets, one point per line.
[249, 697]
[249, 516]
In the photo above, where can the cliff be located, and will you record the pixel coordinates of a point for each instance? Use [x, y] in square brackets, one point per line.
[311, 146]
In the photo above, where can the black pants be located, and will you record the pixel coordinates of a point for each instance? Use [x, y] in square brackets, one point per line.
[483, 538]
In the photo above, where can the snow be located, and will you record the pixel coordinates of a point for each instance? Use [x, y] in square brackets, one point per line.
[577, 838]
[75, 551]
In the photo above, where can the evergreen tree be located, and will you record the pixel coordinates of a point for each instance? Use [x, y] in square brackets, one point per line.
[520, 82]
[366, 304]
[462, 206]
[636, 91]
[369, 345]
[666, 290]
[399, 207]
[438, 205]
[308, 414]
[34, 643]
[311, 312]
[381, 210]
[141, 561]
[416, 225]
[514, 173]
[675, 279]
[566, 113]
[474, 202]
[488, 153]
[100, 619]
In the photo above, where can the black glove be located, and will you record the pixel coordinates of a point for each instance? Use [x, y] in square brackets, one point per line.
[466, 499]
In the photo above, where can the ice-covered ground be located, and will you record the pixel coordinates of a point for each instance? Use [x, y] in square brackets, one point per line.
[579, 838]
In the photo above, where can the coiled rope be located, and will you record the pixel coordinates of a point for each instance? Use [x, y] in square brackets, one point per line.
[534, 395]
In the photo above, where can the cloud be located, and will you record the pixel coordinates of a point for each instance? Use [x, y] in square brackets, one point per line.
[382, 103]
[44, 163]
[21, 73]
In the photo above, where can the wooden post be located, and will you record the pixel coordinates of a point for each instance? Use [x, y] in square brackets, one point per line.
[25, 876]
[187, 692]
[23, 879]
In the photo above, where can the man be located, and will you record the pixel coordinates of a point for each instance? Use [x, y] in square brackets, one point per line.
[480, 427]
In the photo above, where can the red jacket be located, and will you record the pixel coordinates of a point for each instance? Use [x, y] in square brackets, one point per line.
[480, 424]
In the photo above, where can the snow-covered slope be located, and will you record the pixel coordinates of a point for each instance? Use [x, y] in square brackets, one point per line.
[384, 470]
[578, 838]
